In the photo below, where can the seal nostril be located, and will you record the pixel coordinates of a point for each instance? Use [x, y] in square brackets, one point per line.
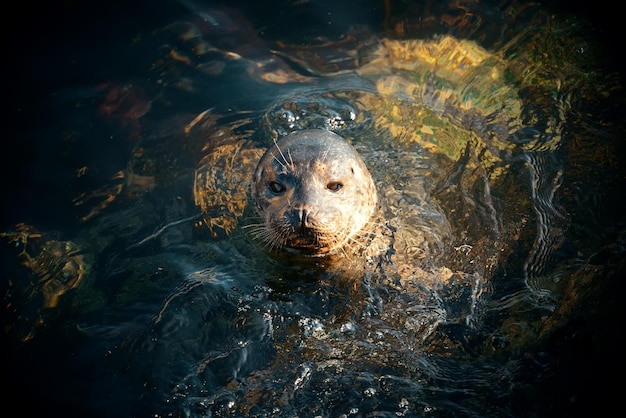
[301, 221]
[304, 219]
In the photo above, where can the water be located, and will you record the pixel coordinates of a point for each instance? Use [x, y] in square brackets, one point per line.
[491, 130]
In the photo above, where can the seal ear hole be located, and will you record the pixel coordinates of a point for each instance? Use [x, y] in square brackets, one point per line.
[276, 187]
[334, 186]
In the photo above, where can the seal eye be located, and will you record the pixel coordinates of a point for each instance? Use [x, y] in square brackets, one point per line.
[334, 186]
[276, 187]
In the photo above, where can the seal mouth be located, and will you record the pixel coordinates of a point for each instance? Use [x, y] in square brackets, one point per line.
[303, 234]
[304, 242]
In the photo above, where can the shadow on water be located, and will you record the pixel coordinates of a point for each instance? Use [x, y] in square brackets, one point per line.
[490, 280]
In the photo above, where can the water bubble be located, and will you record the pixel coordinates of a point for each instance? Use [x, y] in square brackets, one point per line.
[369, 392]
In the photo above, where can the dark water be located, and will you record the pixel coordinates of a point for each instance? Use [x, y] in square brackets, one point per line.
[498, 158]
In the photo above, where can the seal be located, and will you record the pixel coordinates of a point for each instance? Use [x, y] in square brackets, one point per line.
[313, 193]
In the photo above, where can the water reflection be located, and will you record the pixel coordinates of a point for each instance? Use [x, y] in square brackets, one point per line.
[491, 132]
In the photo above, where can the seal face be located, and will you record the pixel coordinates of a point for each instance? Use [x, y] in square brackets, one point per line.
[313, 193]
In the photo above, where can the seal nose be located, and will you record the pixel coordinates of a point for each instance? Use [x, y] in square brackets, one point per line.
[301, 219]
[305, 209]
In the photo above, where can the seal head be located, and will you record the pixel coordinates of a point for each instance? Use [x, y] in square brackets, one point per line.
[313, 193]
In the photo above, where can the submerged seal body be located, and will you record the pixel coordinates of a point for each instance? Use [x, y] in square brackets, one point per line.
[313, 193]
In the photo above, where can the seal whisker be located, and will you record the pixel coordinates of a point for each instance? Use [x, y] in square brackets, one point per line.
[291, 164]
[358, 240]
[280, 162]
[259, 232]
[285, 164]
[325, 153]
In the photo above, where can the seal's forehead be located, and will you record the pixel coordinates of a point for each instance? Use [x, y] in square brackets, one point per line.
[313, 143]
